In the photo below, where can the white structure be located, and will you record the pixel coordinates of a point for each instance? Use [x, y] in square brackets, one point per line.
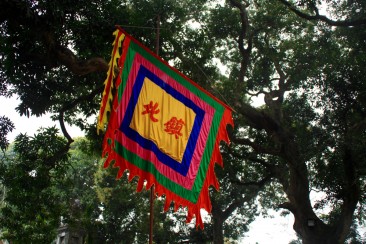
[69, 235]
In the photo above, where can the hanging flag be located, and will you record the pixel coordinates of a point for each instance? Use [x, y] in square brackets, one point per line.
[162, 127]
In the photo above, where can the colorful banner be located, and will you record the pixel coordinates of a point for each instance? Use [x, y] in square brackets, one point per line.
[162, 127]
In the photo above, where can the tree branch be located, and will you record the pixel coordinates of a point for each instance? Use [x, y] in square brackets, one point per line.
[66, 57]
[71, 105]
[249, 157]
[258, 184]
[288, 206]
[256, 147]
[318, 17]
[256, 187]
[258, 119]
[63, 128]
[243, 35]
[256, 93]
[54, 51]
[351, 191]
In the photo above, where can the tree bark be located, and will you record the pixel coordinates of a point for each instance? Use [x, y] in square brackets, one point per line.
[299, 201]
[218, 231]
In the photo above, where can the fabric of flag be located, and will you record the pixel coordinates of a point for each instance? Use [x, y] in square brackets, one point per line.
[162, 127]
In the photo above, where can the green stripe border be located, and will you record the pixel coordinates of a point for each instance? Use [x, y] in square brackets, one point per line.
[193, 194]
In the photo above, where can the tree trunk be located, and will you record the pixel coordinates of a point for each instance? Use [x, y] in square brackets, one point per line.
[218, 230]
[325, 238]
[218, 222]
[311, 229]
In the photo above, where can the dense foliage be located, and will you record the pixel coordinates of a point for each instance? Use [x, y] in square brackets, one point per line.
[303, 61]
[30, 209]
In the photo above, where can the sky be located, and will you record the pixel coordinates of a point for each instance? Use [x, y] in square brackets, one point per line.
[29, 125]
[277, 229]
[262, 231]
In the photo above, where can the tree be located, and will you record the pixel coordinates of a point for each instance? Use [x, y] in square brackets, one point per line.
[310, 130]
[28, 174]
[6, 126]
[308, 69]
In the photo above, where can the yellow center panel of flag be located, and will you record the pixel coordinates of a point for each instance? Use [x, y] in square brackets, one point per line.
[161, 118]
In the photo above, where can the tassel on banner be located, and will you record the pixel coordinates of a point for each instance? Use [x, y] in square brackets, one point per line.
[105, 106]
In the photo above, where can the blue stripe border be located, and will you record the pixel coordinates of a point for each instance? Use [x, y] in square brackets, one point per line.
[182, 167]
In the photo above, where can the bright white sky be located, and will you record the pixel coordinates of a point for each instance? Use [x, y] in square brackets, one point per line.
[271, 230]
[29, 125]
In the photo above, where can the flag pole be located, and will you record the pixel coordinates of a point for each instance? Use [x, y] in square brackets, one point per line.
[152, 189]
[152, 196]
